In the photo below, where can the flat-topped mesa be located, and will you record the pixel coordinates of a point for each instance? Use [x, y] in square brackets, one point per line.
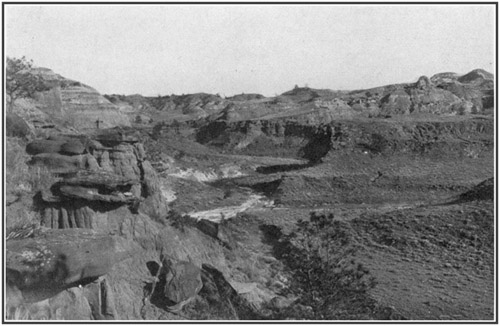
[94, 178]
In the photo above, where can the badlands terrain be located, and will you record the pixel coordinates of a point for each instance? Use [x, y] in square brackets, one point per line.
[316, 204]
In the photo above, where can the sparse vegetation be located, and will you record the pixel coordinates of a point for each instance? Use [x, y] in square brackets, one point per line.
[393, 193]
[179, 221]
[20, 81]
[327, 285]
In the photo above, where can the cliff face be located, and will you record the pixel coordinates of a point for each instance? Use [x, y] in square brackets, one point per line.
[313, 141]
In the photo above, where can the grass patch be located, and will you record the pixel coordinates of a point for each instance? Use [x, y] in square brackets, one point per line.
[325, 276]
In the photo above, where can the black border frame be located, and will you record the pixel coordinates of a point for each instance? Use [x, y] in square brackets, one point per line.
[288, 3]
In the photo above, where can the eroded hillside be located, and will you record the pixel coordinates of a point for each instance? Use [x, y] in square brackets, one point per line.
[315, 204]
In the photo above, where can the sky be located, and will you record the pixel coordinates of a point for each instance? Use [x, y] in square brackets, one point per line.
[231, 49]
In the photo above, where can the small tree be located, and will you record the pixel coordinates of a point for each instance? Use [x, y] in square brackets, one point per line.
[20, 81]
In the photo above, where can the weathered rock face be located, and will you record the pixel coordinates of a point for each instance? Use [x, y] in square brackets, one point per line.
[180, 282]
[422, 97]
[475, 88]
[17, 126]
[294, 139]
[50, 101]
[57, 258]
[58, 163]
[99, 178]
[85, 108]
[68, 147]
[95, 301]
[88, 234]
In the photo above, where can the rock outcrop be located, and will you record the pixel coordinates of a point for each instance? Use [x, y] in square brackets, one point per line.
[94, 176]
[180, 282]
[103, 182]
[422, 97]
[475, 88]
[279, 137]
[55, 259]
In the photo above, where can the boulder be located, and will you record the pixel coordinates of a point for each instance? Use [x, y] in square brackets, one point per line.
[208, 227]
[183, 282]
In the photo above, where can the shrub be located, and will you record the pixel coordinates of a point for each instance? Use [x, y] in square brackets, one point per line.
[180, 221]
[328, 283]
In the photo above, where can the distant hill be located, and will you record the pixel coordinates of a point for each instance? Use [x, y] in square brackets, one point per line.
[81, 106]
[68, 103]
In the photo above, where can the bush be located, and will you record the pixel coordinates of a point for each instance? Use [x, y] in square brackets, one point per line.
[328, 283]
[180, 221]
